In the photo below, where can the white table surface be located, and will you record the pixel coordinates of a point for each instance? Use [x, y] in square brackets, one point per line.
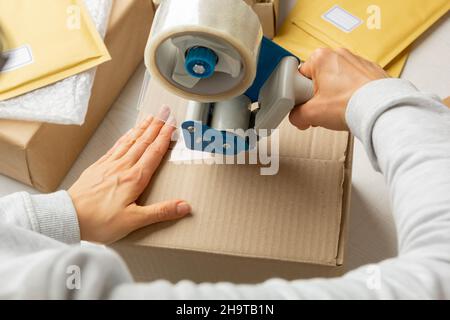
[371, 235]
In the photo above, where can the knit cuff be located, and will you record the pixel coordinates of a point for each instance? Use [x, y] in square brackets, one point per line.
[54, 216]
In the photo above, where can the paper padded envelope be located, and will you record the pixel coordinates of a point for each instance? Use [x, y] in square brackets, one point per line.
[44, 42]
[303, 44]
[351, 24]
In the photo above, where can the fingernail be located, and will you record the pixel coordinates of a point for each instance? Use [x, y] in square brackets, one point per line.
[171, 121]
[175, 136]
[183, 208]
[163, 113]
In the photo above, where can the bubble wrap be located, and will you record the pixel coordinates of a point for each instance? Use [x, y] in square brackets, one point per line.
[66, 101]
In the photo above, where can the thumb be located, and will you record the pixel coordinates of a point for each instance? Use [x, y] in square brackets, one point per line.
[305, 116]
[159, 212]
[306, 69]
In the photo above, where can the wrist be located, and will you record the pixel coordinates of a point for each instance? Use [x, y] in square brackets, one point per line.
[55, 216]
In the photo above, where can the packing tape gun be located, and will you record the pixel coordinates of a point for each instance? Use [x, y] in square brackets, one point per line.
[213, 53]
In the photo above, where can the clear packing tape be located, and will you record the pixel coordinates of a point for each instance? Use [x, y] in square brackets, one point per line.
[177, 107]
[327, 23]
[44, 42]
[229, 27]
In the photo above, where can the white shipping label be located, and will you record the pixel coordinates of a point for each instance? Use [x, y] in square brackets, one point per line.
[342, 19]
[17, 58]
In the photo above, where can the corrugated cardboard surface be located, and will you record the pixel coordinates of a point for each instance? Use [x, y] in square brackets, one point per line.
[176, 265]
[267, 225]
[40, 154]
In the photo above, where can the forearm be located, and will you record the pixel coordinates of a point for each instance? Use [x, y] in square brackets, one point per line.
[52, 215]
[407, 135]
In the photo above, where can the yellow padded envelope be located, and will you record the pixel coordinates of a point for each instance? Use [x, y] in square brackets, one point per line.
[45, 41]
[344, 23]
[302, 45]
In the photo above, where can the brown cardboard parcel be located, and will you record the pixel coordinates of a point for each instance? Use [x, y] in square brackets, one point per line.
[41, 154]
[247, 227]
[268, 12]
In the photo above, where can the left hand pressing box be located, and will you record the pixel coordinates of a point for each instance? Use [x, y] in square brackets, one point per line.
[44, 42]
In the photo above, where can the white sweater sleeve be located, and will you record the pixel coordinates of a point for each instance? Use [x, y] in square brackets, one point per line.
[52, 215]
[407, 136]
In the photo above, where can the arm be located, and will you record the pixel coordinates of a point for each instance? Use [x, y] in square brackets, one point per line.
[407, 136]
[100, 207]
[401, 143]
[51, 215]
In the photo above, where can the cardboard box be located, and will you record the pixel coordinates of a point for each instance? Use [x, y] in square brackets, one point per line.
[247, 227]
[267, 10]
[40, 154]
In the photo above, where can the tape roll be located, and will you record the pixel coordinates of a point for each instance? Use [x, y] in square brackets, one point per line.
[230, 27]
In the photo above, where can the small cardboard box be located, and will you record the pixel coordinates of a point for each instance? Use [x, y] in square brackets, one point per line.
[247, 227]
[267, 10]
[40, 154]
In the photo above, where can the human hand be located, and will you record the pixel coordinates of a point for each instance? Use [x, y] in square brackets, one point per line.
[105, 195]
[337, 75]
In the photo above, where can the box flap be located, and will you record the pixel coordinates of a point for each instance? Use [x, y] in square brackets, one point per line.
[314, 144]
[266, 14]
[295, 215]
[15, 137]
[18, 133]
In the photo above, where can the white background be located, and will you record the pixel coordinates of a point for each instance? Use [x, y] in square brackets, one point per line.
[371, 232]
